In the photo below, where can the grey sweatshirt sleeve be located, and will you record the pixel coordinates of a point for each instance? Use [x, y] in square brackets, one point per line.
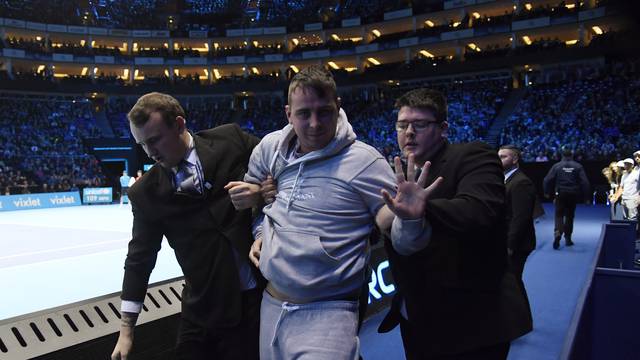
[260, 159]
[410, 236]
[373, 178]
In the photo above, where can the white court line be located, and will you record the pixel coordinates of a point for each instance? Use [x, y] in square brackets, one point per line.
[62, 249]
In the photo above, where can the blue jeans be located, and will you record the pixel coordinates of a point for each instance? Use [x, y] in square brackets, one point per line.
[323, 330]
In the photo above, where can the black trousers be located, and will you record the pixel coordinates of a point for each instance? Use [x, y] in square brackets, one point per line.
[239, 342]
[414, 348]
[565, 212]
[516, 267]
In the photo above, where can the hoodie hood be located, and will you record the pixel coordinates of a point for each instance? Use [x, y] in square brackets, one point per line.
[345, 136]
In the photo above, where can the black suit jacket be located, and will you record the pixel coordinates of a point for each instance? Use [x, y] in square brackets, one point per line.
[521, 202]
[202, 230]
[458, 294]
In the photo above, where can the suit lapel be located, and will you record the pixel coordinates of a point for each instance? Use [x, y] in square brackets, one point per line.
[515, 173]
[438, 162]
[164, 188]
[209, 159]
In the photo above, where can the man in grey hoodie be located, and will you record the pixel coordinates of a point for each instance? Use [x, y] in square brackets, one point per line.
[312, 242]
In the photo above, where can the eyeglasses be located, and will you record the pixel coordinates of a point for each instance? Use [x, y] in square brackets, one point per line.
[418, 125]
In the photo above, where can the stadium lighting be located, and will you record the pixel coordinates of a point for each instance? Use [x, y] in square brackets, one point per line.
[82, 42]
[528, 6]
[176, 72]
[40, 69]
[429, 23]
[166, 72]
[294, 68]
[295, 41]
[570, 6]
[125, 74]
[373, 61]
[350, 69]
[473, 46]
[333, 65]
[526, 40]
[596, 29]
[476, 15]
[216, 73]
[135, 46]
[456, 24]
[335, 37]
[255, 70]
[426, 53]
[84, 71]
[571, 42]
[38, 38]
[93, 43]
[376, 32]
[95, 70]
[255, 43]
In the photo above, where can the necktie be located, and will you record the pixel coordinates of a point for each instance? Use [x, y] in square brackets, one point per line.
[187, 179]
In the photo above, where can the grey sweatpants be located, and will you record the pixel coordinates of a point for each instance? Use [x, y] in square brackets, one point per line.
[323, 330]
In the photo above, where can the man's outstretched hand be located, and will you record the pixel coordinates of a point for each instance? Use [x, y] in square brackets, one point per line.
[411, 198]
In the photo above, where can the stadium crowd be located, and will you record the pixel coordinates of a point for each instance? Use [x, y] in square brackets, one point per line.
[595, 108]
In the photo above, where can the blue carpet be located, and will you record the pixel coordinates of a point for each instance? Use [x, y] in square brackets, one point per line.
[554, 280]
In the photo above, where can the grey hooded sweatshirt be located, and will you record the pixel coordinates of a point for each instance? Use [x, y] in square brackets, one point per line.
[315, 233]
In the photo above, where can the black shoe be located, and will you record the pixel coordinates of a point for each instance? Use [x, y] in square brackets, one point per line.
[568, 241]
[556, 243]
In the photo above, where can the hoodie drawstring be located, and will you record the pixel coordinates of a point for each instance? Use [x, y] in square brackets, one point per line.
[295, 185]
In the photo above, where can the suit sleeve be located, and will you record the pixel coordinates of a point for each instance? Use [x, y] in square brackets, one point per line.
[250, 141]
[141, 257]
[523, 200]
[478, 202]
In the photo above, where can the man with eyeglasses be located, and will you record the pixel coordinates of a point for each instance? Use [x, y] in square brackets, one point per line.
[455, 297]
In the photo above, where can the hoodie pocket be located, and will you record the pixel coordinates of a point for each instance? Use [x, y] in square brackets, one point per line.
[294, 259]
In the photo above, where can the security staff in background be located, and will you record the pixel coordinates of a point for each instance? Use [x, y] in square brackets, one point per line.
[568, 181]
[521, 201]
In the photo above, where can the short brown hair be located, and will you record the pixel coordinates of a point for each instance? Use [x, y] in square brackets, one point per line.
[516, 150]
[317, 78]
[427, 99]
[149, 103]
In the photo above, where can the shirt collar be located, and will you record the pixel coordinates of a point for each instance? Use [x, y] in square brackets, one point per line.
[190, 155]
[508, 174]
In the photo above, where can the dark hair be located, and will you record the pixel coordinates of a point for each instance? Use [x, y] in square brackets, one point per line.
[566, 151]
[317, 78]
[516, 150]
[427, 99]
[149, 103]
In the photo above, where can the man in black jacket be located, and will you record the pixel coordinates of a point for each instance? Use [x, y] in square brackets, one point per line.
[521, 202]
[183, 198]
[568, 182]
[455, 297]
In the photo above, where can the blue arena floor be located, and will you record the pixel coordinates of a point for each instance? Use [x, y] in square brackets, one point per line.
[53, 257]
